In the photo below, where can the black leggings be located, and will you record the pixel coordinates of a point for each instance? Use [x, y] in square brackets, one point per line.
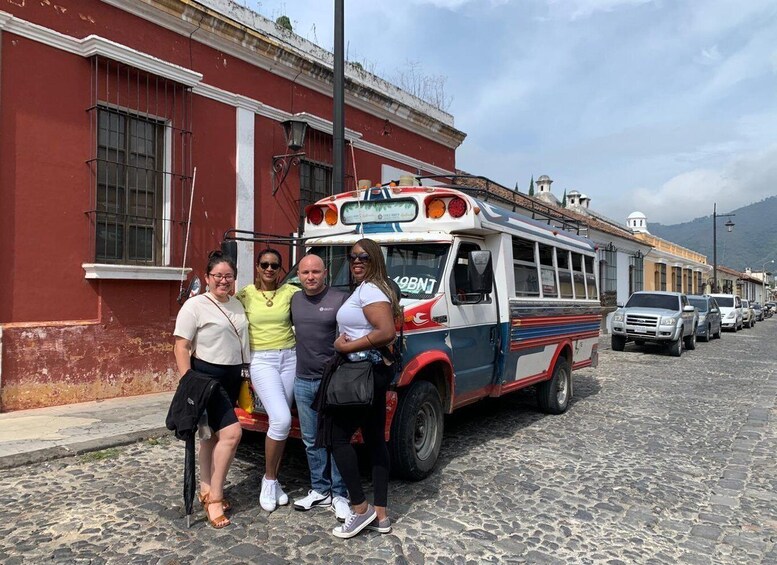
[372, 421]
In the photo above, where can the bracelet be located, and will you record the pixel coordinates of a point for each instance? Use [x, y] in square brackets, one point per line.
[369, 340]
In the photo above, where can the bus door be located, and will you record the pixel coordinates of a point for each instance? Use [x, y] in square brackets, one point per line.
[473, 329]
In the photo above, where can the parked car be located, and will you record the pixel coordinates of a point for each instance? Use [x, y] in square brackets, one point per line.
[748, 316]
[658, 317]
[709, 316]
[759, 312]
[730, 310]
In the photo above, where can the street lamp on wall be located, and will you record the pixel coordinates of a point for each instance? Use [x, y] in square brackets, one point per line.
[294, 131]
[729, 227]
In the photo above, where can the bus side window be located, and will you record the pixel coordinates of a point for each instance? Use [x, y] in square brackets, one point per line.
[525, 268]
[590, 278]
[461, 293]
[548, 272]
[577, 274]
[564, 273]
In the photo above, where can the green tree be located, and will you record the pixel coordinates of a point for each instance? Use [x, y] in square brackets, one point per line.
[284, 22]
[531, 186]
[516, 187]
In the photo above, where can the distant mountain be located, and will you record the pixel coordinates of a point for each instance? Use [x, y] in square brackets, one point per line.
[752, 242]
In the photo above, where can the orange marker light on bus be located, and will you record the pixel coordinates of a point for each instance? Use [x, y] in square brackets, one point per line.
[331, 216]
[435, 209]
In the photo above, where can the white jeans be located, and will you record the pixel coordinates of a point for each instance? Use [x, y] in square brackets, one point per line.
[272, 376]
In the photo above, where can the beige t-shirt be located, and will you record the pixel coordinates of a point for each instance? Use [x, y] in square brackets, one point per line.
[213, 337]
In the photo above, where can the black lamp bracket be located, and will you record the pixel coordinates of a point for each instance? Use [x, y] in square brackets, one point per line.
[281, 164]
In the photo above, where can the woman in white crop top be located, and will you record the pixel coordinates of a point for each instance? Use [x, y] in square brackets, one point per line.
[366, 322]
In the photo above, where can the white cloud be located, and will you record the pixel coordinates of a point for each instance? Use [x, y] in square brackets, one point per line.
[579, 9]
[647, 104]
[709, 56]
[691, 194]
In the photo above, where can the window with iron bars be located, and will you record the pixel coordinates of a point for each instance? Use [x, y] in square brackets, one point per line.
[609, 276]
[677, 279]
[315, 183]
[141, 165]
[130, 152]
[636, 274]
[660, 276]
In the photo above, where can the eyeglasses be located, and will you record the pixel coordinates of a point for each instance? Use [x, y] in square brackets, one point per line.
[219, 277]
[273, 266]
[363, 257]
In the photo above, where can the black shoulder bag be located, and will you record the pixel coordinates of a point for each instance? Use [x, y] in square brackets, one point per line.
[351, 384]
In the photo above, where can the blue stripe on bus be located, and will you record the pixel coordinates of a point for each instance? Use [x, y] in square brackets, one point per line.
[519, 334]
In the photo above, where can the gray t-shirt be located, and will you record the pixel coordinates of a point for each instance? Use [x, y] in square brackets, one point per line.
[315, 325]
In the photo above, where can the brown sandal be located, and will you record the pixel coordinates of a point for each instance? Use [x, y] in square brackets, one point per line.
[225, 503]
[218, 522]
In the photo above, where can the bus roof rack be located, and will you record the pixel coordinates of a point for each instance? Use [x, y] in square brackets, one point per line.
[483, 188]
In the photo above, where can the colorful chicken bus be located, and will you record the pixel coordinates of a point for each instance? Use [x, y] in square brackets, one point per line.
[493, 302]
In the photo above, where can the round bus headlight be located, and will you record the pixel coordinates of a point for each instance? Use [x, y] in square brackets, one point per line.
[435, 209]
[457, 207]
[315, 216]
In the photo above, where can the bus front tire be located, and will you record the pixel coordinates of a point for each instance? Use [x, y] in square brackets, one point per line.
[553, 396]
[416, 432]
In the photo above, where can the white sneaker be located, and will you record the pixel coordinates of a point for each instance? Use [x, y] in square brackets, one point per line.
[280, 497]
[314, 498]
[342, 508]
[267, 498]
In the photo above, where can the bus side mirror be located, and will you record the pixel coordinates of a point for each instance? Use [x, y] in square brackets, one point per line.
[229, 247]
[480, 272]
[193, 289]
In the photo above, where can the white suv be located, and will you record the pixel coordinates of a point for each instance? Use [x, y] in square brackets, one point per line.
[730, 311]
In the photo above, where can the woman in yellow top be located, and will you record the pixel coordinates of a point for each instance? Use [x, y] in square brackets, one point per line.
[273, 364]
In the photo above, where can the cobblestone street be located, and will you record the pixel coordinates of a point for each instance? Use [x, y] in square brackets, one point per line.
[658, 460]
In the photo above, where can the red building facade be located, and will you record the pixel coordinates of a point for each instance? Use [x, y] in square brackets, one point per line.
[115, 118]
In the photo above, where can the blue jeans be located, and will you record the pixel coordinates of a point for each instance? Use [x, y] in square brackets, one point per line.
[324, 476]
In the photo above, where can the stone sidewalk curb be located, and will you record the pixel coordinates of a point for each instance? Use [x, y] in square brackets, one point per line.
[79, 448]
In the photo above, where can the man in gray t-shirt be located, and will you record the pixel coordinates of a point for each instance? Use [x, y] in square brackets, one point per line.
[313, 313]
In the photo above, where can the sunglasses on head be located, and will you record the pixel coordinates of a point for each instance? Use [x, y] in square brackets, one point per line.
[268, 265]
[363, 257]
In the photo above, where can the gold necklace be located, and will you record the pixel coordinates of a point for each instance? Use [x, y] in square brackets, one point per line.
[268, 301]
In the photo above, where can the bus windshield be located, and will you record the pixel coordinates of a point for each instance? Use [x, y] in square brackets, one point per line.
[416, 268]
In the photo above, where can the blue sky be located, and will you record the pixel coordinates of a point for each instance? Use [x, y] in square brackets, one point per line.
[660, 106]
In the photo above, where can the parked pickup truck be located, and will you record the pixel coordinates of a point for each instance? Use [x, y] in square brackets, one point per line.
[660, 317]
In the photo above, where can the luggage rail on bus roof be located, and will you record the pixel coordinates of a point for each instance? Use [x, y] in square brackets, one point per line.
[506, 198]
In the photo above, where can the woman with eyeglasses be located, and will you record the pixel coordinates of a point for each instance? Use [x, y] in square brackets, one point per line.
[366, 322]
[273, 364]
[211, 337]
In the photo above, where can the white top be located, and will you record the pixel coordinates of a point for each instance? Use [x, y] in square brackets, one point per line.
[351, 318]
[213, 337]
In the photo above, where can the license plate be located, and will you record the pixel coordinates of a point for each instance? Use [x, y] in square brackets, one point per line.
[640, 330]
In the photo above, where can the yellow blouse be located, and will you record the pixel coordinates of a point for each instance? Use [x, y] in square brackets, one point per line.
[269, 326]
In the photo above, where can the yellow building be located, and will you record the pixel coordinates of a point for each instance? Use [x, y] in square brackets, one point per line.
[669, 266]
